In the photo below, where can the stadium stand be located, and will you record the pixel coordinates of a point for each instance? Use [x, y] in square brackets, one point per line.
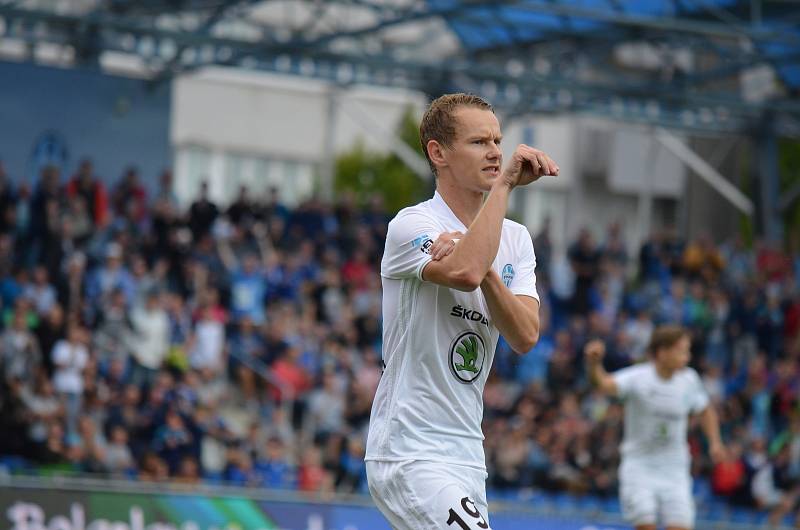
[241, 345]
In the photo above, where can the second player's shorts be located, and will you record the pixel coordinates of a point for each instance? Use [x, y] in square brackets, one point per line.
[420, 495]
[649, 497]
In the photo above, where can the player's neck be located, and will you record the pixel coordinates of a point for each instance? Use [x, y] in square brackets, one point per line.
[465, 204]
[664, 372]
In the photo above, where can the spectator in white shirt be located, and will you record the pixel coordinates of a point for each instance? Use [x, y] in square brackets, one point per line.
[70, 358]
[151, 339]
[208, 342]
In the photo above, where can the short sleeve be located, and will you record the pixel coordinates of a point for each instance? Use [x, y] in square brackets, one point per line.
[699, 397]
[523, 281]
[408, 241]
[626, 380]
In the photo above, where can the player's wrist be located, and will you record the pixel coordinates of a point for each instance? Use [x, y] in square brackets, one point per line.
[491, 275]
[504, 182]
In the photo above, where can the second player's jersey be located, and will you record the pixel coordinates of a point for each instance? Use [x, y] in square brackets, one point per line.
[438, 343]
[657, 413]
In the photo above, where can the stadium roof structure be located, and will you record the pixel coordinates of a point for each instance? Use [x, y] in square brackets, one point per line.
[716, 66]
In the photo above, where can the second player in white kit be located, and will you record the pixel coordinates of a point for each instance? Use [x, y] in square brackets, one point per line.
[442, 319]
[658, 396]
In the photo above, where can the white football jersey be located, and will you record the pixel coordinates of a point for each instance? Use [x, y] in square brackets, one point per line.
[657, 413]
[438, 343]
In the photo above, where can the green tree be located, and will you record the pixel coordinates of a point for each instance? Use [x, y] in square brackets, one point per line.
[364, 172]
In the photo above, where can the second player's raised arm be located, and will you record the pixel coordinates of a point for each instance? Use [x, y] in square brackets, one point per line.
[594, 351]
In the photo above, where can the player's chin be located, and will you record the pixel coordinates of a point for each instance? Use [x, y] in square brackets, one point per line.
[489, 178]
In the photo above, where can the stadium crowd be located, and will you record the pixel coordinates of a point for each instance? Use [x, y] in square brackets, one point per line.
[241, 344]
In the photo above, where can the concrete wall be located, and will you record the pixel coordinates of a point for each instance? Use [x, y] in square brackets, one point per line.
[271, 121]
[116, 121]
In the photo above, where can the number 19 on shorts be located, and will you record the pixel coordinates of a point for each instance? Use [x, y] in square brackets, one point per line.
[471, 510]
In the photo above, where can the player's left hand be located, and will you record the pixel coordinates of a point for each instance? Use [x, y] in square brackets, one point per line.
[718, 452]
[445, 244]
[594, 351]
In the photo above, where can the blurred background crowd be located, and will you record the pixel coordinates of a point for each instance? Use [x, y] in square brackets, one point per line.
[240, 344]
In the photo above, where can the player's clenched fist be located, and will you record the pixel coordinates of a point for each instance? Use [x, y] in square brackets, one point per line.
[527, 164]
[594, 351]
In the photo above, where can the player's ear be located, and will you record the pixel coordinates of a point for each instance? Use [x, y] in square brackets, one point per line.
[436, 153]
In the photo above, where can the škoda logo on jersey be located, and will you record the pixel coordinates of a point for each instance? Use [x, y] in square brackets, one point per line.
[467, 354]
[469, 314]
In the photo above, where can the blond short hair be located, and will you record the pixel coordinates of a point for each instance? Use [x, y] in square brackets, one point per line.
[439, 121]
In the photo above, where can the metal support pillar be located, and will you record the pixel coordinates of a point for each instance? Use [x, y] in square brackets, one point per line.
[769, 183]
[328, 166]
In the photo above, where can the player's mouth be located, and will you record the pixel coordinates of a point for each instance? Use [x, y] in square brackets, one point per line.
[492, 170]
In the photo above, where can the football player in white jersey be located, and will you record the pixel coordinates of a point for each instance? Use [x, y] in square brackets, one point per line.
[658, 396]
[442, 319]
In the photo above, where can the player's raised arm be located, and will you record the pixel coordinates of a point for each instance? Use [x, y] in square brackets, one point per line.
[466, 267]
[593, 352]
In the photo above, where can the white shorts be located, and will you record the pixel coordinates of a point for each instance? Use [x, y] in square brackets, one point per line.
[647, 496]
[420, 495]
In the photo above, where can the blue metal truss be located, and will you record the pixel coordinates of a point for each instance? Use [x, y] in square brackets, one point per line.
[525, 55]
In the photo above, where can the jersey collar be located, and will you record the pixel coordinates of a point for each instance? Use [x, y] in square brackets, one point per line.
[443, 210]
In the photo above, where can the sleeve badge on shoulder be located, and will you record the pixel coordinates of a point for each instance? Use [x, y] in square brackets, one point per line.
[423, 242]
[508, 274]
